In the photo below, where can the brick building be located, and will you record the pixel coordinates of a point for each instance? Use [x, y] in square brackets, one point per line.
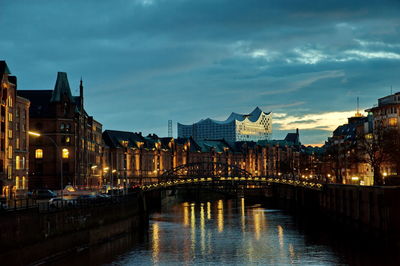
[69, 147]
[130, 156]
[13, 136]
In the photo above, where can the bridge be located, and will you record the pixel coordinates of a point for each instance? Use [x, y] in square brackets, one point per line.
[370, 208]
[220, 174]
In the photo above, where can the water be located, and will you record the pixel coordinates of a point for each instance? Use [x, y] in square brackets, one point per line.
[232, 232]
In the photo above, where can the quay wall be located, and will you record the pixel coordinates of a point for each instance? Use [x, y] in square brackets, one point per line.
[31, 235]
[373, 210]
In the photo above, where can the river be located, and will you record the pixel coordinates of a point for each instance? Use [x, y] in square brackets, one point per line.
[233, 232]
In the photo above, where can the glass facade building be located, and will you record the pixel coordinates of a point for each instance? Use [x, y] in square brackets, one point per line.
[238, 127]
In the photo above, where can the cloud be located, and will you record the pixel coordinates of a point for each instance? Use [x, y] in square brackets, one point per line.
[184, 60]
[328, 121]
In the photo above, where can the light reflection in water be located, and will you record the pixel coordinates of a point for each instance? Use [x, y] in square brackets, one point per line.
[259, 222]
[209, 210]
[193, 225]
[156, 243]
[202, 229]
[280, 236]
[220, 216]
[185, 213]
[243, 215]
[292, 253]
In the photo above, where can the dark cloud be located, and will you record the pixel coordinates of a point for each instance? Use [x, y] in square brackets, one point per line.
[147, 61]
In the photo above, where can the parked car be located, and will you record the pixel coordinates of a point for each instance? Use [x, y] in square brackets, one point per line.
[59, 202]
[3, 206]
[103, 196]
[43, 194]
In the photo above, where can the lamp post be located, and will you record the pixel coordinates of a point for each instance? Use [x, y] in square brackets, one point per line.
[112, 181]
[36, 134]
[93, 174]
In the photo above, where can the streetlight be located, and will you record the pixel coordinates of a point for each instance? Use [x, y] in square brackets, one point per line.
[93, 171]
[37, 134]
[112, 181]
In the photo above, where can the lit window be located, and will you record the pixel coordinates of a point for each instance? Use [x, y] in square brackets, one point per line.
[10, 152]
[24, 186]
[10, 134]
[10, 117]
[65, 153]
[124, 143]
[17, 182]
[10, 101]
[17, 162]
[393, 121]
[17, 143]
[38, 153]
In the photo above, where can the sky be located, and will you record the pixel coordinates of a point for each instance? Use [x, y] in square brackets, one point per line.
[144, 62]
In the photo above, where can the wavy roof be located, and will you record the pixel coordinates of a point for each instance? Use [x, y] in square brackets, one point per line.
[252, 117]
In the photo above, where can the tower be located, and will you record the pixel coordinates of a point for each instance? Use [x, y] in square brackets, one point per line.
[170, 128]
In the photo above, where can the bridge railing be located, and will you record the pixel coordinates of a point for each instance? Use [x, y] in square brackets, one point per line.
[311, 184]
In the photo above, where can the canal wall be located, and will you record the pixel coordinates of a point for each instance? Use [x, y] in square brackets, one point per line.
[365, 209]
[31, 235]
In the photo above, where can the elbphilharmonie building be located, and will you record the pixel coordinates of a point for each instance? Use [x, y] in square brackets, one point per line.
[238, 127]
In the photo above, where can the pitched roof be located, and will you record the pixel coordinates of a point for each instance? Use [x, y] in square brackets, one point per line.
[211, 145]
[3, 68]
[113, 138]
[61, 88]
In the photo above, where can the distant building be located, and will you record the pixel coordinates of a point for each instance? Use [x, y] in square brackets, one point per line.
[238, 127]
[61, 119]
[13, 136]
[387, 115]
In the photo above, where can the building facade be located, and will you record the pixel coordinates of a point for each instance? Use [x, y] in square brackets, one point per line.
[68, 149]
[131, 157]
[14, 139]
[238, 127]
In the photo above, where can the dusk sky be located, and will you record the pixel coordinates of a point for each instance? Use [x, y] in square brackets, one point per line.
[144, 62]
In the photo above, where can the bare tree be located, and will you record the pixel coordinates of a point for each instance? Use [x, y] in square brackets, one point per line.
[391, 146]
[372, 149]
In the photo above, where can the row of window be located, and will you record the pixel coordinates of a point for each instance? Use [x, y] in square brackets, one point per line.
[21, 183]
[39, 153]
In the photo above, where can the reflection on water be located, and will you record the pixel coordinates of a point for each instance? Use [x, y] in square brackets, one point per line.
[235, 233]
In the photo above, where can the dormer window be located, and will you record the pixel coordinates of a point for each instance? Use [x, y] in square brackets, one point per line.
[124, 143]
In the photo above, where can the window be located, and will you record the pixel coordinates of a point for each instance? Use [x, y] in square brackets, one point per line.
[62, 127]
[23, 162]
[17, 143]
[66, 140]
[17, 112]
[24, 186]
[10, 152]
[17, 162]
[10, 101]
[10, 134]
[393, 121]
[65, 153]
[38, 153]
[9, 172]
[17, 182]
[10, 117]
